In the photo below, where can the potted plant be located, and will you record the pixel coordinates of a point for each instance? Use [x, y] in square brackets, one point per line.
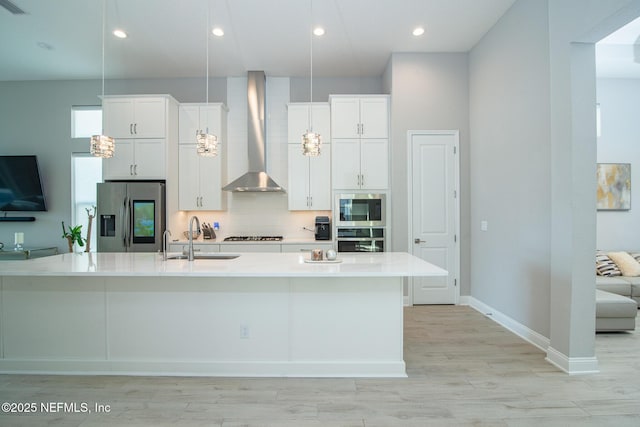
[74, 235]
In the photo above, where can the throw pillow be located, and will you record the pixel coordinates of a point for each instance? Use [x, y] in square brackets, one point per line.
[626, 263]
[605, 266]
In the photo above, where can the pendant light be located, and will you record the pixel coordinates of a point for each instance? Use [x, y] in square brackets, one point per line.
[206, 143]
[311, 141]
[102, 145]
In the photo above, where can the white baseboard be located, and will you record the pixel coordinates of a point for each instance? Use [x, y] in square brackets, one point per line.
[517, 328]
[300, 369]
[570, 365]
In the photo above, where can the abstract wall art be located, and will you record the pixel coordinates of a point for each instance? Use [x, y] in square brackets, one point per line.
[614, 186]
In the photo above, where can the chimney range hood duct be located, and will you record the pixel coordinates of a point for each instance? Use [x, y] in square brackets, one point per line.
[256, 179]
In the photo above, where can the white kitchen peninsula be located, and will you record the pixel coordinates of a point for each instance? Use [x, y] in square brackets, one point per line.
[261, 314]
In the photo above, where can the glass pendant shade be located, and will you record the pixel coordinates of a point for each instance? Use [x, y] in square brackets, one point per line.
[311, 143]
[207, 144]
[102, 146]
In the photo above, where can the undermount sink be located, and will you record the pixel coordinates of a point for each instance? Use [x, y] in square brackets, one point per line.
[204, 256]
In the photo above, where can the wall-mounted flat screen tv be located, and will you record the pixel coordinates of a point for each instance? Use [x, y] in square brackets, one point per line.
[20, 185]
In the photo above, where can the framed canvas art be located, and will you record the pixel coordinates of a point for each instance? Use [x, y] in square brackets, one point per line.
[614, 186]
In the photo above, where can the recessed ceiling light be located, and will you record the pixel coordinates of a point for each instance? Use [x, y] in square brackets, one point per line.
[318, 31]
[218, 32]
[119, 33]
[418, 31]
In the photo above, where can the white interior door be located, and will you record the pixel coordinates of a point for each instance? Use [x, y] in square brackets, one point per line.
[434, 211]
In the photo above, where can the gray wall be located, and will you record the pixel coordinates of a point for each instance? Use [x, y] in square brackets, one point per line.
[619, 101]
[429, 92]
[510, 166]
[325, 86]
[545, 280]
[35, 118]
[183, 90]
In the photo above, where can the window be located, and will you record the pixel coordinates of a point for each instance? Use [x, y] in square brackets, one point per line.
[86, 120]
[86, 173]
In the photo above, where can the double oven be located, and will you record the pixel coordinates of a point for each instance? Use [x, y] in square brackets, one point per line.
[360, 222]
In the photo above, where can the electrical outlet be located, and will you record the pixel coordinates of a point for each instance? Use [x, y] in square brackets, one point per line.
[244, 331]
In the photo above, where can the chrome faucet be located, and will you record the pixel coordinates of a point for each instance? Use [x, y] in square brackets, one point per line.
[190, 255]
[164, 244]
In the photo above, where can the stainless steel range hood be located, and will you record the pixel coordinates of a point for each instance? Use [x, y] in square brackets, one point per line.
[256, 179]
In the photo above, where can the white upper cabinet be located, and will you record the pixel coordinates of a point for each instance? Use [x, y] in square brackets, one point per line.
[136, 159]
[309, 177]
[360, 142]
[200, 181]
[309, 180]
[196, 118]
[141, 126]
[299, 115]
[201, 178]
[134, 117]
[360, 117]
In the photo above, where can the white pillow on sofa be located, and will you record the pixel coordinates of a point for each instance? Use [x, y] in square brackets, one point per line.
[626, 263]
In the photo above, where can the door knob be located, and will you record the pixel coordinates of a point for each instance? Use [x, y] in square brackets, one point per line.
[418, 241]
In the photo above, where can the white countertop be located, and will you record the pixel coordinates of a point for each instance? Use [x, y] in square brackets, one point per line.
[385, 264]
[221, 241]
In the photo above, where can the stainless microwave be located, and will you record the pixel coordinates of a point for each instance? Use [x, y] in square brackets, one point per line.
[360, 210]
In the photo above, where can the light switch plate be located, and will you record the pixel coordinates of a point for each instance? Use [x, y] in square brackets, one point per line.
[484, 225]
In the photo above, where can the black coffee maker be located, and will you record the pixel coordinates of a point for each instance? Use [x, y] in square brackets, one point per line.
[323, 228]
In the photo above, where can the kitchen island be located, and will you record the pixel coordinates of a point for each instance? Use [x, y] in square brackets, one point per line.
[260, 314]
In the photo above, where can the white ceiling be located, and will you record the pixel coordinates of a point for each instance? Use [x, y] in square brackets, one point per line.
[618, 55]
[167, 38]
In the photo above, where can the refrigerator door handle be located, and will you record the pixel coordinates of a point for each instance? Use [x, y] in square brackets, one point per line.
[126, 220]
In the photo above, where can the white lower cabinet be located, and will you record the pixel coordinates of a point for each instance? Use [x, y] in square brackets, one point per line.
[241, 247]
[306, 247]
[197, 247]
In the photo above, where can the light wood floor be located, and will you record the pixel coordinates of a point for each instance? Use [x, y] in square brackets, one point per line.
[464, 370]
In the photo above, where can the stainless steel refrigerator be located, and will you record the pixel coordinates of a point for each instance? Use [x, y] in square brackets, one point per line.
[131, 216]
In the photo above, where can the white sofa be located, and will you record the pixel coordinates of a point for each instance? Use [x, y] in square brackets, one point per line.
[617, 296]
[626, 286]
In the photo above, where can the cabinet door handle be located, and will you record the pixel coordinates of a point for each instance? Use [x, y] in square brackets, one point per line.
[130, 169]
[135, 169]
[361, 128]
[362, 180]
[310, 201]
[130, 128]
[135, 128]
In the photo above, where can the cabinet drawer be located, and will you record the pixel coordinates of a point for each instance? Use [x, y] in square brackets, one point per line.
[239, 247]
[306, 247]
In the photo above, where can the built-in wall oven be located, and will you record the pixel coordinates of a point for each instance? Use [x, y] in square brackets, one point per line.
[360, 222]
[360, 239]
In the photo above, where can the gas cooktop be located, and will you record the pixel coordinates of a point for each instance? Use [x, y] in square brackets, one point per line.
[253, 239]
